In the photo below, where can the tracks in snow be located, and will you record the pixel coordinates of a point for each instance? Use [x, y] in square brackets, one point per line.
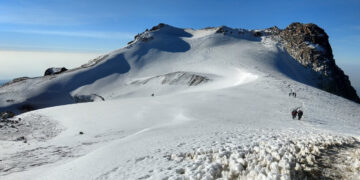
[339, 162]
[322, 157]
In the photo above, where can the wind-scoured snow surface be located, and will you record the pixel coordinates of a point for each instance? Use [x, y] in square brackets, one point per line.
[220, 110]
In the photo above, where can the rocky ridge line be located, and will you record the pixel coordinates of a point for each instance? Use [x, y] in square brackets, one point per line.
[309, 45]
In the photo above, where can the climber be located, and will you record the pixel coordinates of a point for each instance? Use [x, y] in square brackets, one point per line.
[300, 113]
[292, 94]
[294, 113]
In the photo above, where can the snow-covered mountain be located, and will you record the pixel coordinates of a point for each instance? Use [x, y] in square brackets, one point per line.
[188, 104]
[164, 50]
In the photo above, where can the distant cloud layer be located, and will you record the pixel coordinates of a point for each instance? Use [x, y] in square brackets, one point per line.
[88, 34]
[34, 63]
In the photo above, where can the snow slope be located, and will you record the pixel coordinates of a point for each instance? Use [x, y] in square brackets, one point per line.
[170, 50]
[220, 110]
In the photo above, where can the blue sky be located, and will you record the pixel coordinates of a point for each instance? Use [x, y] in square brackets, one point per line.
[75, 27]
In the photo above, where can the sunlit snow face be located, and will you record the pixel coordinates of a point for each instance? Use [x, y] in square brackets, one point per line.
[229, 77]
[243, 77]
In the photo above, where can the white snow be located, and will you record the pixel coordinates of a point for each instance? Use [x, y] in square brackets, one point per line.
[315, 46]
[236, 124]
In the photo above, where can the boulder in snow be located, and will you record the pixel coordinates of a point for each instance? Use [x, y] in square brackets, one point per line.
[6, 114]
[88, 98]
[257, 34]
[54, 70]
[26, 108]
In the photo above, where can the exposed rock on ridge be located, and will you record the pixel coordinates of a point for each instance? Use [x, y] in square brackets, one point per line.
[176, 78]
[309, 45]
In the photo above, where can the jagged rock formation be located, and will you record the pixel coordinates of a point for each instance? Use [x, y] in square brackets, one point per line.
[309, 45]
[145, 36]
[176, 78]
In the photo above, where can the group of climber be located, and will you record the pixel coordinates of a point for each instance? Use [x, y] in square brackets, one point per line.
[297, 112]
[292, 94]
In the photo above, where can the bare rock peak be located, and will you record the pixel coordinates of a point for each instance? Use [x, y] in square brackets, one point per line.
[309, 45]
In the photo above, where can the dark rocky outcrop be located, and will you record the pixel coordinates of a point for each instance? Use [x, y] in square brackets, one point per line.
[6, 115]
[309, 45]
[159, 26]
[145, 36]
[88, 98]
[257, 33]
[26, 108]
[222, 29]
[53, 70]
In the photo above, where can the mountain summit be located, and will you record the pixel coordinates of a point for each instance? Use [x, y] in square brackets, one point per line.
[213, 103]
[184, 56]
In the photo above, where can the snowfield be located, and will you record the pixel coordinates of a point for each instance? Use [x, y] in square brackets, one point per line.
[181, 104]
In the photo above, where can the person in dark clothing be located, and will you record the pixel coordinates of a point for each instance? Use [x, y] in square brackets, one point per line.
[300, 113]
[292, 94]
[294, 113]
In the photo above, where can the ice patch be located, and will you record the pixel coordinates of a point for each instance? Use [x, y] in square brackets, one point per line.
[315, 46]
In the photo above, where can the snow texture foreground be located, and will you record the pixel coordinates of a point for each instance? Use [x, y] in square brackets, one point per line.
[278, 158]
